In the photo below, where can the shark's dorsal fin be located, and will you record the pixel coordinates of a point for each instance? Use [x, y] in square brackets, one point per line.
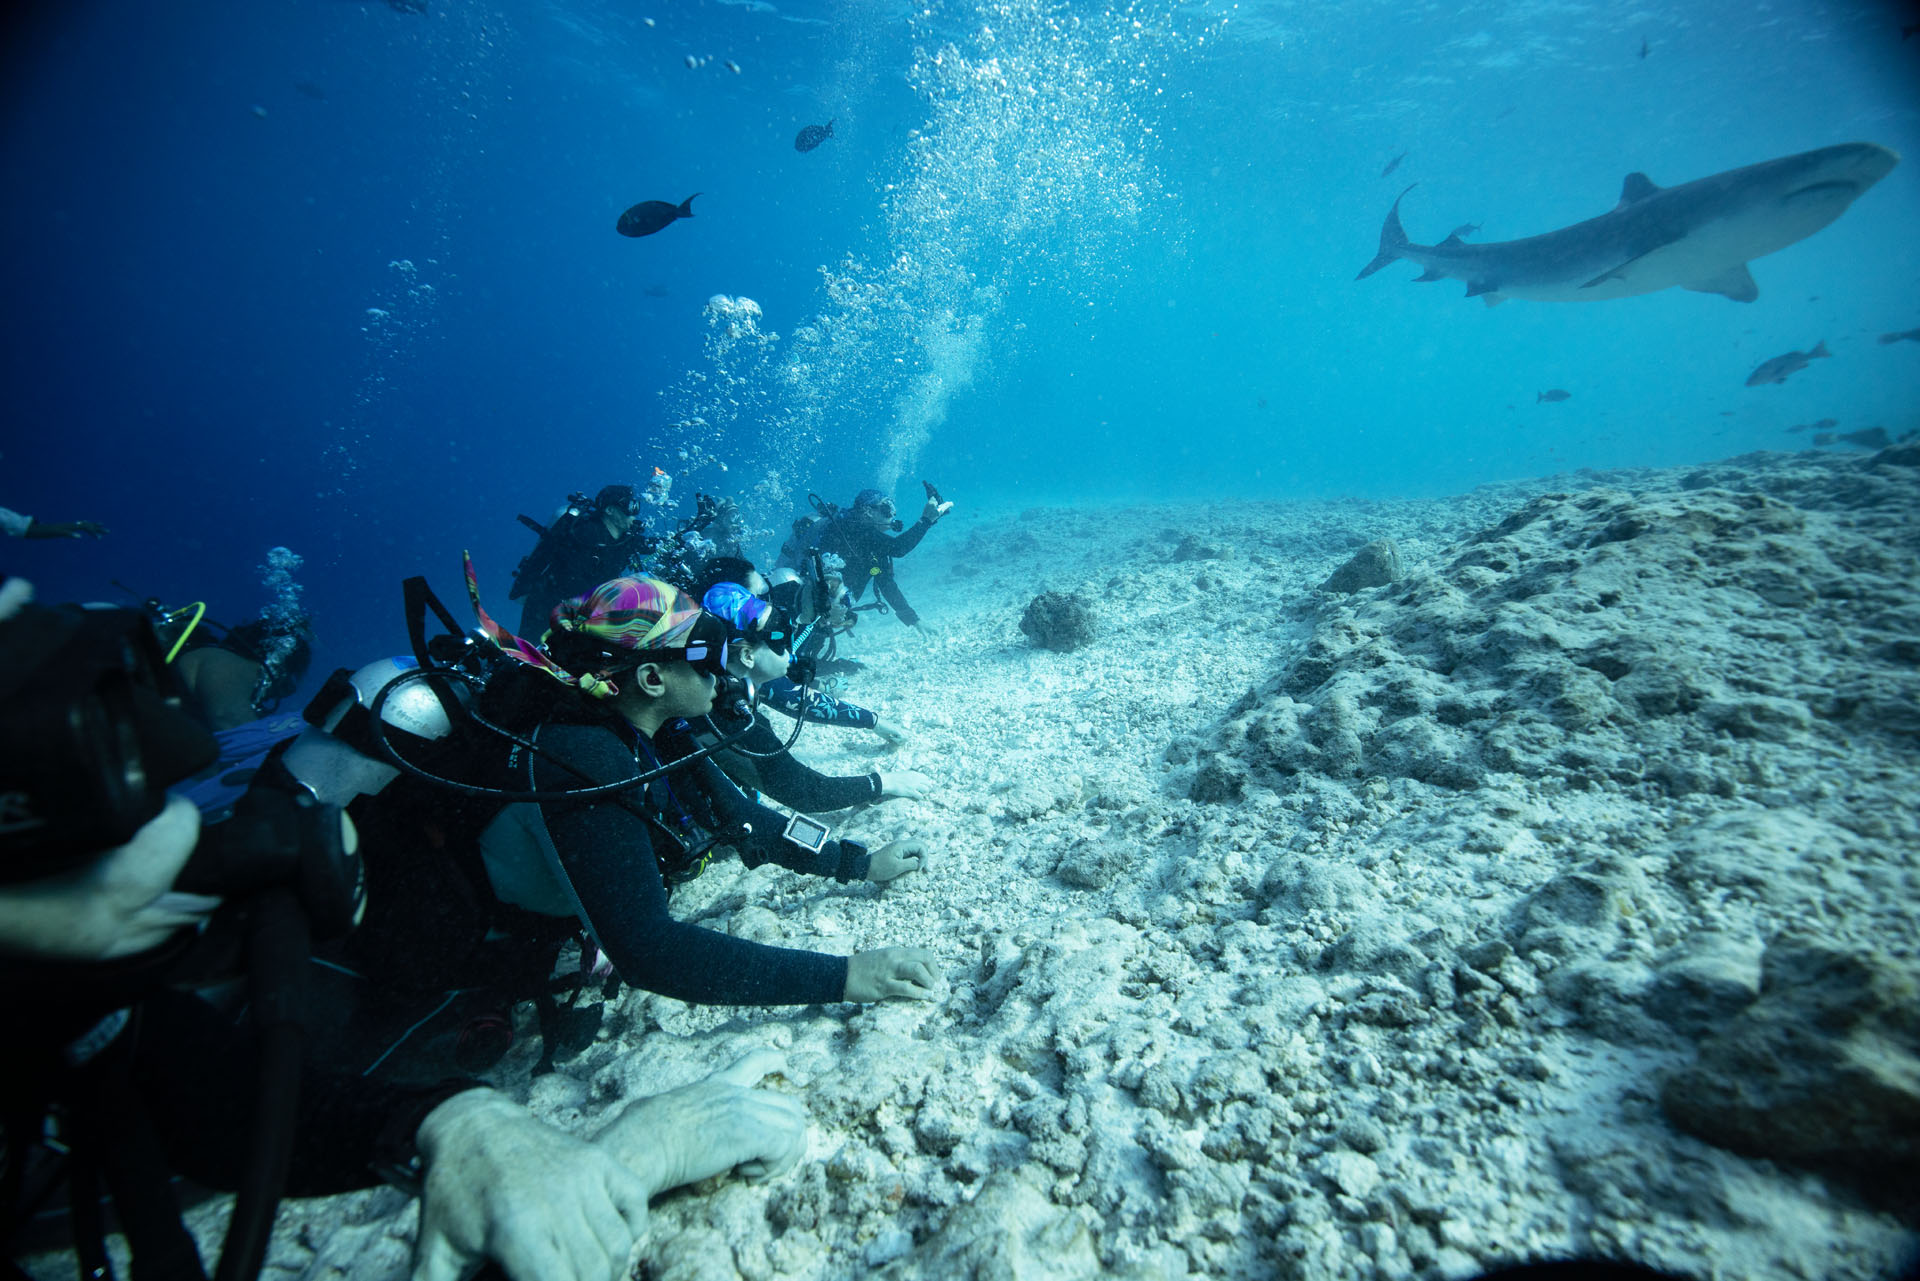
[1736, 282]
[1637, 187]
[1452, 242]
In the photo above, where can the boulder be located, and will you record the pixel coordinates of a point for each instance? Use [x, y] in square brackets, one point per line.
[1375, 565]
[1060, 621]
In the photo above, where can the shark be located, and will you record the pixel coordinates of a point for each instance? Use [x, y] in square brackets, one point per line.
[1699, 235]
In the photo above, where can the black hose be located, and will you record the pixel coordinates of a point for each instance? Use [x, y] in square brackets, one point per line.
[278, 948]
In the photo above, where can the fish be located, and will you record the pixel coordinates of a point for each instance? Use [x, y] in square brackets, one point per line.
[311, 90]
[812, 136]
[1553, 396]
[1699, 235]
[650, 216]
[1464, 230]
[1779, 368]
[1393, 164]
[1905, 335]
[1822, 425]
[1645, 49]
[1865, 438]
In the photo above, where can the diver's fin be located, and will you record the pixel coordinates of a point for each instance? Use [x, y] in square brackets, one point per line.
[1736, 282]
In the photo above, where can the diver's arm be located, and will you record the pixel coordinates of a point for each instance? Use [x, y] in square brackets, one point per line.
[889, 587]
[799, 786]
[842, 860]
[607, 851]
[823, 709]
[907, 539]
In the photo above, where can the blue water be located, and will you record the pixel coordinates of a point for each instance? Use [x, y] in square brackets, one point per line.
[1084, 253]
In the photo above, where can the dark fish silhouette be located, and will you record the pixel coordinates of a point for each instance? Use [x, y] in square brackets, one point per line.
[1908, 335]
[813, 135]
[1645, 49]
[1865, 438]
[1822, 425]
[1780, 367]
[311, 90]
[1393, 164]
[1553, 396]
[650, 216]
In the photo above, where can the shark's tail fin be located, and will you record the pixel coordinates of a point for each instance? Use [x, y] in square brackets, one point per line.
[1393, 239]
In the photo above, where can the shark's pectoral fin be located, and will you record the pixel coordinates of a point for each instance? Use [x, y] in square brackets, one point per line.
[1429, 275]
[1736, 282]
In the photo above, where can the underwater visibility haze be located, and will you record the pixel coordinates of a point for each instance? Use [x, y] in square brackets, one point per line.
[312, 295]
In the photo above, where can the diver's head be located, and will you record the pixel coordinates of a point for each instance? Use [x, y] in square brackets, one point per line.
[765, 644]
[618, 508]
[728, 569]
[873, 505]
[643, 644]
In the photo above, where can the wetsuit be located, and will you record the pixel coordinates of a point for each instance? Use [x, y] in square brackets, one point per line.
[780, 774]
[869, 551]
[823, 709]
[616, 856]
[574, 556]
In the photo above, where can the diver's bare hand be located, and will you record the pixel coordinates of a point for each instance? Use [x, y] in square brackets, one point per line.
[934, 510]
[905, 784]
[894, 859]
[886, 973]
[505, 1186]
[895, 736]
[714, 1125]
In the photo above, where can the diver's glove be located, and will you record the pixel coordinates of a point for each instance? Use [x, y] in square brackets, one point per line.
[718, 1124]
[888, 972]
[896, 858]
[504, 1185]
[905, 784]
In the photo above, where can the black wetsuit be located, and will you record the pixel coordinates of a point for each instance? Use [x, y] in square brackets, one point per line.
[779, 774]
[574, 556]
[869, 551]
[614, 854]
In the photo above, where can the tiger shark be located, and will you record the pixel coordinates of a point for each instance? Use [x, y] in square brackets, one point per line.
[1699, 235]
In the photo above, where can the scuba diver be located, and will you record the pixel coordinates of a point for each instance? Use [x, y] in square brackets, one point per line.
[868, 538]
[759, 759]
[797, 637]
[590, 541]
[549, 814]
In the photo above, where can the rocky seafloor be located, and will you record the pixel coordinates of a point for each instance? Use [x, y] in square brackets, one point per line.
[1560, 896]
